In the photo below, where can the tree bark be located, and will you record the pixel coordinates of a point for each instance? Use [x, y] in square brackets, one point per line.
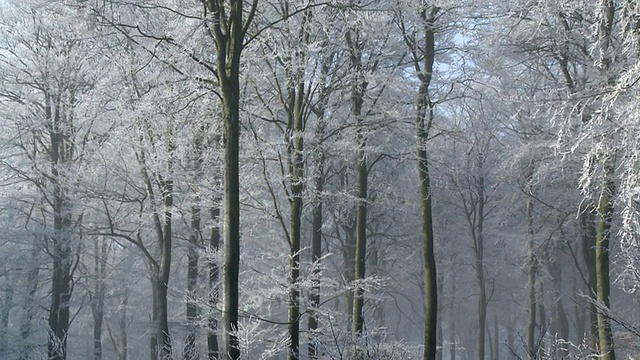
[532, 268]
[214, 274]
[359, 86]
[228, 27]
[190, 351]
[588, 235]
[605, 215]
[317, 220]
[61, 152]
[424, 119]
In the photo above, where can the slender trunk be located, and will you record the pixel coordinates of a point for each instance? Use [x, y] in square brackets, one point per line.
[588, 234]
[605, 203]
[424, 119]
[605, 214]
[214, 274]
[228, 27]
[164, 340]
[439, 333]
[490, 340]
[359, 86]
[295, 162]
[361, 234]
[153, 339]
[482, 322]
[190, 349]
[164, 270]
[316, 239]
[532, 349]
[294, 274]
[231, 265]
[453, 344]
[496, 338]
[479, 250]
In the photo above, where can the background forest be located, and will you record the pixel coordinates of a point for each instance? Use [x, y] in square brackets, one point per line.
[271, 179]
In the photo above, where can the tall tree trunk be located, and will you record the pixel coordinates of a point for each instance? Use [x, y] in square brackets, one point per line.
[316, 237]
[228, 28]
[424, 119]
[588, 235]
[153, 339]
[478, 238]
[59, 315]
[296, 113]
[532, 265]
[496, 338]
[439, 333]
[452, 322]
[605, 214]
[359, 86]
[605, 203]
[195, 239]
[214, 274]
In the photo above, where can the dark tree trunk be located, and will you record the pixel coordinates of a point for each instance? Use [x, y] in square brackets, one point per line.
[424, 119]
[359, 86]
[316, 239]
[588, 221]
[531, 344]
[228, 30]
[605, 215]
[190, 351]
[214, 274]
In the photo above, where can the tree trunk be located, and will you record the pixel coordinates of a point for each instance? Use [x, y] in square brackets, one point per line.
[316, 237]
[190, 351]
[359, 86]
[532, 265]
[496, 338]
[452, 322]
[229, 42]
[60, 297]
[479, 252]
[295, 161]
[214, 274]
[424, 119]
[605, 203]
[605, 214]
[439, 333]
[588, 235]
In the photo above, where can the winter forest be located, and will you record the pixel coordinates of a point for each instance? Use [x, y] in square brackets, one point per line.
[311, 179]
